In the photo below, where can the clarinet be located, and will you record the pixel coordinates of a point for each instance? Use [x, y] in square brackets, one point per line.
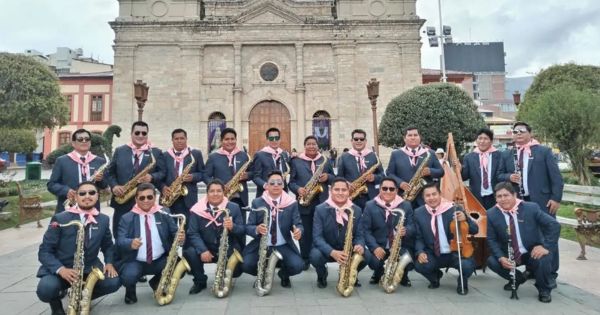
[519, 171]
[513, 269]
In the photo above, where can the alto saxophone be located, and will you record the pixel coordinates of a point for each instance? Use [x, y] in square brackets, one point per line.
[349, 271]
[417, 181]
[178, 187]
[176, 266]
[266, 264]
[80, 293]
[225, 266]
[234, 185]
[359, 185]
[312, 187]
[394, 266]
[130, 186]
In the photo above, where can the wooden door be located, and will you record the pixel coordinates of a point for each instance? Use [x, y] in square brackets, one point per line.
[265, 115]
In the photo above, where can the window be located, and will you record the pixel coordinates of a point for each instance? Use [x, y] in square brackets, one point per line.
[216, 123]
[64, 137]
[269, 71]
[97, 108]
[69, 99]
[322, 129]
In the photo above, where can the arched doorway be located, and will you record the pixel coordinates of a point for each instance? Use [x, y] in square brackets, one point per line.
[265, 115]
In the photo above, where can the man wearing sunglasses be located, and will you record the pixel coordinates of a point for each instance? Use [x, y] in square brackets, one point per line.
[60, 244]
[356, 162]
[144, 240]
[78, 166]
[269, 158]
[379, 224]
[284, 226]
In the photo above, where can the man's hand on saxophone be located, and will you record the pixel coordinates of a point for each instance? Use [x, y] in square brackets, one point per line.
[359, 249]
[405, 186]
[302, 192]
[379, 253]
[118, 190]
[426, 171]
[339, 256]
[188, 178]
[206, 257]
[371, 178]
[98, 177]
[323, 177]
[261, 229]
[110, 271]
[145, 179]
[71, 194]
[181, 237]
[70, 275]
[296, 233]
[228, 223]
[166, 191]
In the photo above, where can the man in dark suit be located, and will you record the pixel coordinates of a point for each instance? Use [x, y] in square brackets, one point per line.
[284, 223]
[303, 167]
[356, 162]
[205, 229]
[59, 246]
[176, 160]
[533, 234]
[405, 162]
[482, 167]
[379, 223]
[330, 228]
[269, 158]
[78, 166]
[434, 235]
[128, 160]
[144, 240]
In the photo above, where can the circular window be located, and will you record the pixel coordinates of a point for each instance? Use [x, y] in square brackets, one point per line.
[269, 71]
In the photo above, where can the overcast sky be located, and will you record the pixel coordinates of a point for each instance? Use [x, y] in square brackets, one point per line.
[536, 33]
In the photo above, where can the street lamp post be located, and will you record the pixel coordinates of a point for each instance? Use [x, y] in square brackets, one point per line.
[439, 40]
[517, 98]
[443, 62]
[373, 93]
[141, 96]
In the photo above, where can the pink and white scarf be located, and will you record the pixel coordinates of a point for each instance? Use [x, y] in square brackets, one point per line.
[393, 205]
[340, 215]
[201, 209]
[441, 208]
[85, 166]
[313, 164]
[360, 156]
[414, 156]
[90, 215]
[230, 155]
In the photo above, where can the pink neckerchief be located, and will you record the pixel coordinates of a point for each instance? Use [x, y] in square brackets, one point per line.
[340, 215]
[484, 157]
[179, 159]
[393, 205]
[413, 157]
[201, 209]
[514, 208]
[360, 156]
[443, 207]
[85, 165]
[229, 155]
[313, 166]
[275, 153]
[137, 210]
[88, 218]
[285, 200]
[137, 152]
[527, 147]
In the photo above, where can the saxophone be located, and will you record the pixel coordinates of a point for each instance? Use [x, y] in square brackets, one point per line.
[71, 202]
[80, 293]
[394, 266]
[174, 269]
[349, 271]
[312, 187]
[178, 187]
[266, 265]
[417, 182]
[234, 185]
[131, 185]
[359, 185]
[225, 266]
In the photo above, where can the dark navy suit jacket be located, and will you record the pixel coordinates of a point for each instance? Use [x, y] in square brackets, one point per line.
[301, 174]
[65, 176]
[217, 166]
[425, 238]
[471, 170]
[543, 175]
[262, 165]
[59, 244]
[348, 168]
[203, 238]
[329, 235]
[197, 173]
[536, 227]
[376, 231]
[286, 219]
[400, 169]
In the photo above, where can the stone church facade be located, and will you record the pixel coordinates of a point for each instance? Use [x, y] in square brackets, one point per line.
[300, 65]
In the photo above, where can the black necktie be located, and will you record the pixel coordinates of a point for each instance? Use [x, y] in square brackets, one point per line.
[177, 164]
[83, 172]
[436, 238]
[360, 163]
[390, 226]
[274, 223]
[513, 240]
[414, 157]
[136, 162]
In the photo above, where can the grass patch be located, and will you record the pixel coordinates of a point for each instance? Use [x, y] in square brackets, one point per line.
[566, 210]
[31, 187]
[568, 232]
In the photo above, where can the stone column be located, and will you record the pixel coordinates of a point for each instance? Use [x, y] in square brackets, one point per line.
[300, 99]
[349, 116]
[189, 113]
[237, 92]
[123, 107]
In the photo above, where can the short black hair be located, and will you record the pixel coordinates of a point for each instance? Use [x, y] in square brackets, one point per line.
[74, 135]
[389, 179]
[522, 123]
[505, 185]
[486, 131]
[271, 130]
[409, 128]
[141, 124]
[310, 137]
[215, 181]
[342, 180]
[225, 131]
[273, 173]
[88, 182]
[434, 185]
[145, 186]
[360, 131]
[178, 130]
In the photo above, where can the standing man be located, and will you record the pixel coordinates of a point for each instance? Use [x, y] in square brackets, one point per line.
[303, 168]
[405, 162]
[284, 224]
[356, 162]
[268, 159]
[533, 234]
[483, 167]
[176, 160]
[59, 245]
[78, 166]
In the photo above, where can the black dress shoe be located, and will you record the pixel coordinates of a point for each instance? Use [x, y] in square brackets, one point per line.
[306, 265]
[405, 282]
[142, 279]
[434, 285]
[130, 296]
[154, 282]
[375, 278]
[545, 297]
[462, 292]
[321, 283]
[197, 288]
[56, 307]
[357, 284]
[285, 279]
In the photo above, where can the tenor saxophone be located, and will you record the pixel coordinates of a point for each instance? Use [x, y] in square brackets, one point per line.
[266, 263]
[359, 185]
[130, 187]
[349, 271]
[234, 185]
[394, 267]
[417, 181]
[175, 267]
[177, 187]
[312, 187]
[225, 266]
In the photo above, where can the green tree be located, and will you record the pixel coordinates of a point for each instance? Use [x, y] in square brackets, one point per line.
[17, 140]
[436, 110]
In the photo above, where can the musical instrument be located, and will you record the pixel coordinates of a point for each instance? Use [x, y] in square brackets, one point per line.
[519, 172]
[349, 271]
[266, 264]
[513, 268]
[177, 187]
[225, 266]
[80, 293]
[175, 267]
[394, 267]
[312, 187]
[71, 202]
[417, 181]
[130, 187]
[359, 185]
[234, 185]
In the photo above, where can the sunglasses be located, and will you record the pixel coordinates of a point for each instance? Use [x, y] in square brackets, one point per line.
[143, 133]
[89, 192]
[519, 131]
[273, 138]
[86, 139]
[390, 189]
[358, 139]
[276, 183]
[143, 198]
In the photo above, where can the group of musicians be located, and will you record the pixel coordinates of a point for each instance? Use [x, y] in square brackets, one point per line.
[522, 184]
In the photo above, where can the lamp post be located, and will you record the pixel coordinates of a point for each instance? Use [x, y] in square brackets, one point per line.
[439, 40]
[373, 93]
[141, 96]
[517, 98]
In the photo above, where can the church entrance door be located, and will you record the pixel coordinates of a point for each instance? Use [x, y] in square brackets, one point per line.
[265, 115]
